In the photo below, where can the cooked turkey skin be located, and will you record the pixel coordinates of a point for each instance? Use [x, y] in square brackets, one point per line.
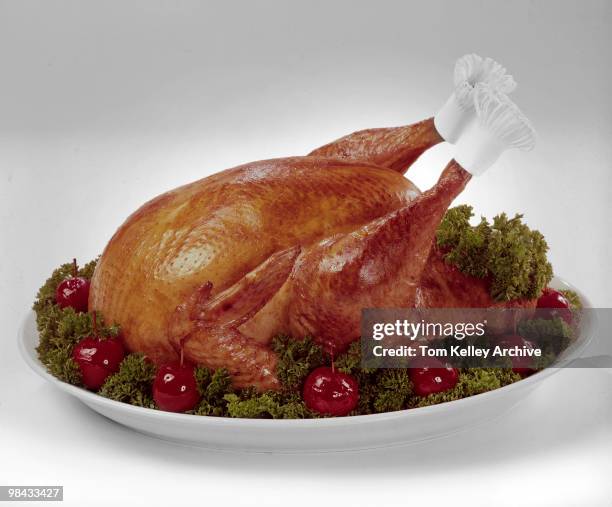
[221, 227]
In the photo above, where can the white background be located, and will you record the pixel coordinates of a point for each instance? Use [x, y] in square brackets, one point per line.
[105, 105]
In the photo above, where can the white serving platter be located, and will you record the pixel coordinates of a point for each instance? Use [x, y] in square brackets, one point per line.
[308, 435]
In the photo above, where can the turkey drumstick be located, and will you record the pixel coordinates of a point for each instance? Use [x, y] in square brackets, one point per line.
[397, 148]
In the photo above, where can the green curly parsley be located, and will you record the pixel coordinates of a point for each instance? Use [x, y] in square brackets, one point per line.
[506, 251]
[296, 358]
[132, 383]
[213, 385]
[471, 381]
[268, 405]
[551, 335]
[393, 388]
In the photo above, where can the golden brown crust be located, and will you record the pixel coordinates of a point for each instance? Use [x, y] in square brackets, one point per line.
[220, 228]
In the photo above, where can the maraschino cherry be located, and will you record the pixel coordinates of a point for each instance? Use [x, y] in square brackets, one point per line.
[557, 302]
[73, 292]
[436, 377]
[97, 358]
[523, 365]
[175, 388]
[330, 392]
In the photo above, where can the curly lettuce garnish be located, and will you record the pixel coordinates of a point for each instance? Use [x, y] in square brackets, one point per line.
[506, 251]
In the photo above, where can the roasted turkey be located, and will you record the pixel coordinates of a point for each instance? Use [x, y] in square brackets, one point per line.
[212, 270]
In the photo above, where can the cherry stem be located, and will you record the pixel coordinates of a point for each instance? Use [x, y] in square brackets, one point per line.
[182, 342]
[94, 324]
[330, 351]
[75, 269]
